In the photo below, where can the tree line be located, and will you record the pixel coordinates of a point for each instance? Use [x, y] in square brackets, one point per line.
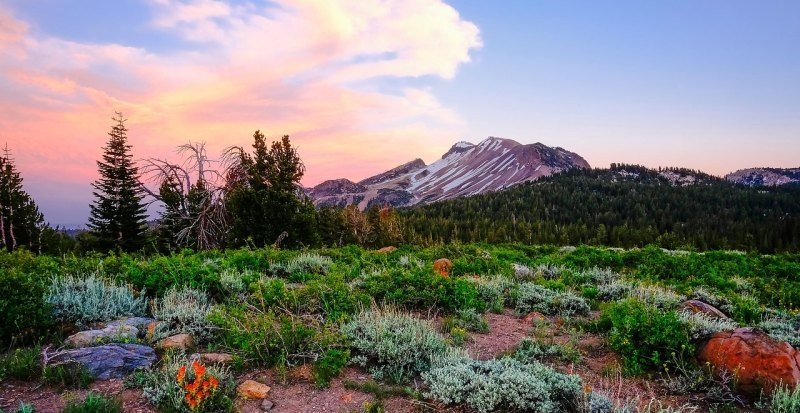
[252, 197]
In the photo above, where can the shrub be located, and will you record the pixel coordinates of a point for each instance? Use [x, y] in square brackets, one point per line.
[309, 262]
[467, 319]
[785, 400]
[701, 325]
[503, 385]
[183, 386]
[73, 375]
[22, 364]
[612, 291]
[657, 296]
[533, 297]
[92, 298]
[530, 351]
[233, 282]
[715, 299]
[329, 365]
[781, 327]
[23, 408]
[25, 316]
[597, 402]
[183, 310]
[268, 339]
[421, 288]
[494, 291]
[331, 297]
[94, 403]
[645, 336]
[393, 344]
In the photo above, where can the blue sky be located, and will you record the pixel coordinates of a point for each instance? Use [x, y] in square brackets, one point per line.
[710, 85]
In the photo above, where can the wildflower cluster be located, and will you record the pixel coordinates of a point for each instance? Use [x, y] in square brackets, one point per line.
[197, 385]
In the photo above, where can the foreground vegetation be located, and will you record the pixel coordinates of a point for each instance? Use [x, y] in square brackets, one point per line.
[396, 317]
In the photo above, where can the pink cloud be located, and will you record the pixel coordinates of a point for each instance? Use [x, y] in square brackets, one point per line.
[297, 67]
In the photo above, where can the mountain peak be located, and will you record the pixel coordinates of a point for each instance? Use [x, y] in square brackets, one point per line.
[466, 169]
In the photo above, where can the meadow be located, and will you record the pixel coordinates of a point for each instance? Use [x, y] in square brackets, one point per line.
[458, 327]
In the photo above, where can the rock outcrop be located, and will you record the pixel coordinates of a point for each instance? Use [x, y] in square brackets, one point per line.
[756, 360]
[111, 361]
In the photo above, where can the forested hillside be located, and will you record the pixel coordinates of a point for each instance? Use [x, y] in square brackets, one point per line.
[623, 206]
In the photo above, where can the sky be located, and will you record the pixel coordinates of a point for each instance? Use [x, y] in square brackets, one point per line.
[364, 85]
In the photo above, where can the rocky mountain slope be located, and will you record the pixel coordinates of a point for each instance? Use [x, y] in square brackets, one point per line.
[765, 176]
[466, 169]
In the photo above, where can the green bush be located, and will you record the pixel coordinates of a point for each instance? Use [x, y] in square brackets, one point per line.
[329, 365]
[421, 288]
[94, 403]
[534, 297]
[183, 310]
[267, 338]
[530, 351]
[163, 390]
[467, 319]
[91, 298]
[503, 385]
[785, 400]
[22, 364]
[73, 375]
[25, 316]
[646, 336]
[394, 345]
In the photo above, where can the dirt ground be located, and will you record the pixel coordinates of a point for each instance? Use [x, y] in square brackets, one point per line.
[598, 366]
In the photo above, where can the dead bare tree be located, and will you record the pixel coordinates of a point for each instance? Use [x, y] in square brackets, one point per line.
[199, 206]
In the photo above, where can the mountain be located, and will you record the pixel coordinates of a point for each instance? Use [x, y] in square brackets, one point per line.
[623, 206]
[765, 176]
[464, 170]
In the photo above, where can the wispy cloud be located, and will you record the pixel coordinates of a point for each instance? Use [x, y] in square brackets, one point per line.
[302, 67]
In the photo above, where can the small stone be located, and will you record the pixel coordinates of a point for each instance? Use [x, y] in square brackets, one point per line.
[267, 405]
[215, 358]
[386, 250]
[251, 389]
[532, 316]
[177, 342]
[110, 334]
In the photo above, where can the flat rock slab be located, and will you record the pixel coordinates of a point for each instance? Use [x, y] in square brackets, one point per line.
[110, 334]
[112, 361]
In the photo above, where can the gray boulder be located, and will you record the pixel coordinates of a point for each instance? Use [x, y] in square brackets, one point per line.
[112, 361]
[112, 333]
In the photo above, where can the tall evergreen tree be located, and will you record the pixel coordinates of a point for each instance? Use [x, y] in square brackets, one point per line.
[20, 219]
[267, 199]
[118, 216]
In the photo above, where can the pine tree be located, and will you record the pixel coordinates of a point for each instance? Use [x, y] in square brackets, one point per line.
[118, 215]
[20, 219]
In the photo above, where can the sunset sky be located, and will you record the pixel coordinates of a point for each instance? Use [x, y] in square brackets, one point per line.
[364, 85]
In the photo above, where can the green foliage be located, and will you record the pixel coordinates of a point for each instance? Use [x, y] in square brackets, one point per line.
[645, 336]
[74, 375]
[21, 223]
[91, 298]
[23, 408]
[530, 351]
[265, 199]
[22, 364]
[421, 288]
[183, 310]
[534, 297]
[394, 345]
[785, 400]
[161, 388]
[25, 316]
[639, 207]
[329, 365]
[503, 385]
[118, 215]
[267, 338]
[466, 319]
[701, 326]
[94, 403]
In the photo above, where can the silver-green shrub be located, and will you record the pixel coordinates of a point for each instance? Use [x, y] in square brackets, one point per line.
[600, 275]
[162, 390]
[785, 400]
[534, 297]
[91, 298]
[703, 325]
[309, 262]
[781, 327]
[657, 296]
[495, 291]
[392, 344]
[549, 271]
[183, 310]
[707, 296]
[502, 385]
[614, 290]
[232, 281]
[597, 402]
